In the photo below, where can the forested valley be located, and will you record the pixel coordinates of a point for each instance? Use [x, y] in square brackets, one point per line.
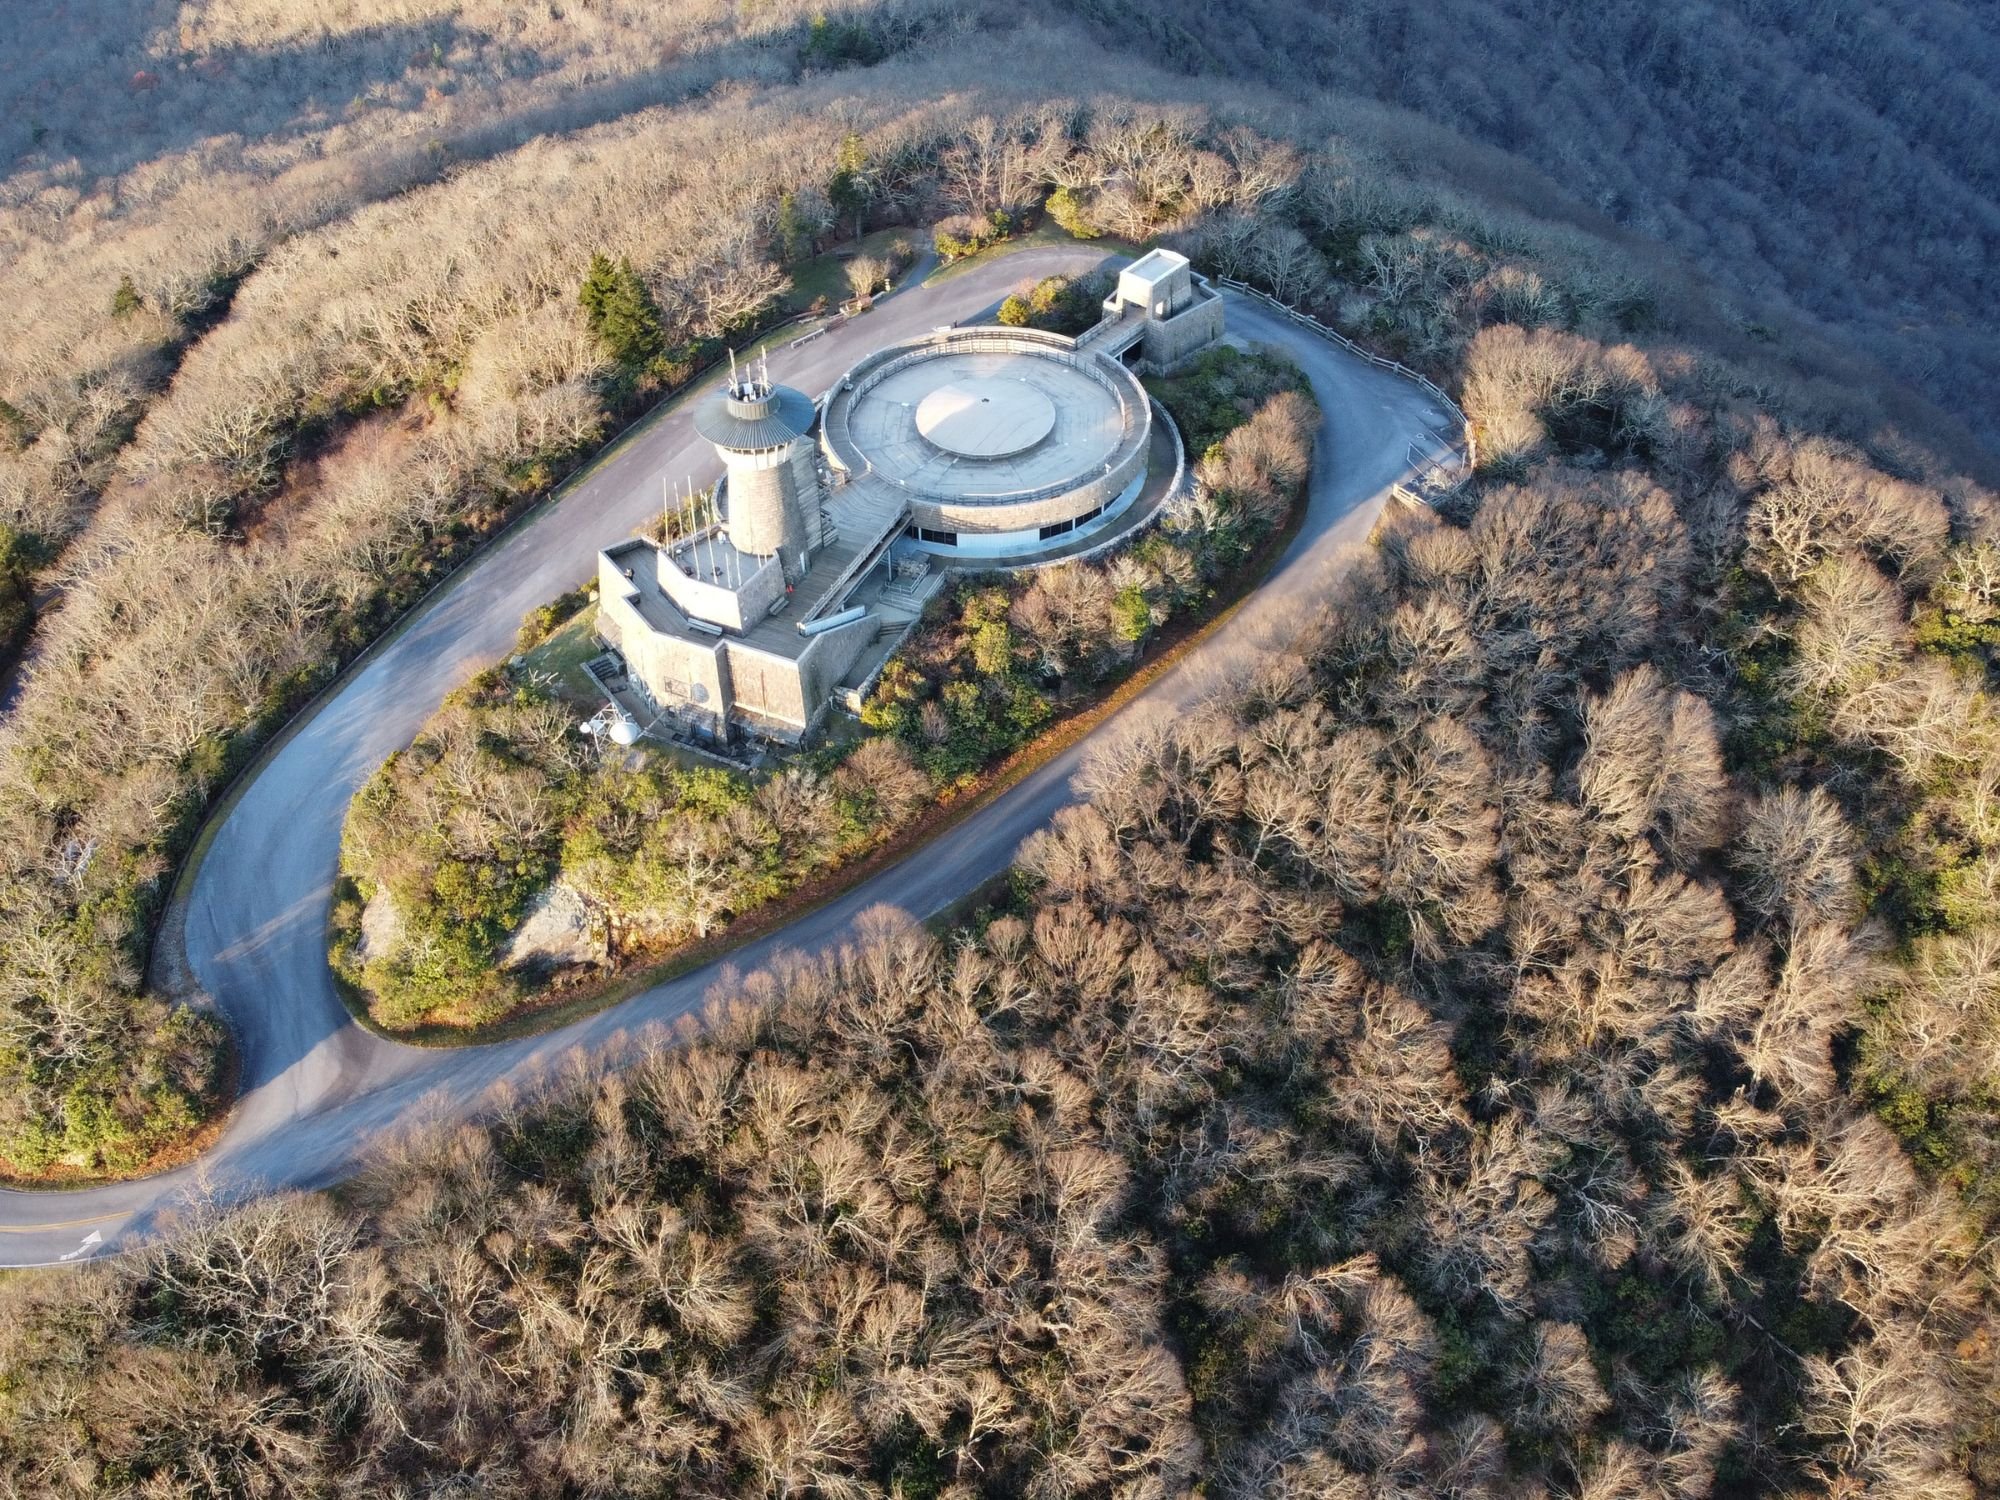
[1536, 1033]
[1837, 158]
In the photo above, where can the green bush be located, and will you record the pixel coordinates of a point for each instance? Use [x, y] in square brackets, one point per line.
[546, 619]
[1217, 391]
[831, 44]
[1070, 211]
[1058, 304]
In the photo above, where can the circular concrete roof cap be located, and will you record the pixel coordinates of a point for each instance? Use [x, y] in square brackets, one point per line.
[985, 417]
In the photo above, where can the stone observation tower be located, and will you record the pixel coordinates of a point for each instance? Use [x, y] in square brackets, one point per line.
[772, 492]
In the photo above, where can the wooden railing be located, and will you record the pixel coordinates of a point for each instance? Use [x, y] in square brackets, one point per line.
[1381, 362]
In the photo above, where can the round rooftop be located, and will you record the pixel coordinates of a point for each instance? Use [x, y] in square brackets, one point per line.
[986, 417]
[968, 420]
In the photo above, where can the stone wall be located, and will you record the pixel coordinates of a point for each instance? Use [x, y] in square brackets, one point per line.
[795, 692]
[1167, 342]
[716, 602]
[766, 509]
[675, 672]
[1087, 495]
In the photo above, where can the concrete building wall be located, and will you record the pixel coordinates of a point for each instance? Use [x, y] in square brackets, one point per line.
[796, 692]
[1166, 343]
[977, 544]
[767, 685]
[676, 673]
[1160, 282]
[1031, 515]
[614, 588]
[810, 496]
[833, 656]
[715, 601]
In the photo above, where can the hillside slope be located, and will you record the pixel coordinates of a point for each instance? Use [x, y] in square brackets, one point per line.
[1839, 156]
[1534, 1032]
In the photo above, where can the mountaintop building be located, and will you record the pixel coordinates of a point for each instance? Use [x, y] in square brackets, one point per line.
[995, 447]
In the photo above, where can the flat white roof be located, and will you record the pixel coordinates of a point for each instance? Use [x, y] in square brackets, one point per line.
[1155, 266]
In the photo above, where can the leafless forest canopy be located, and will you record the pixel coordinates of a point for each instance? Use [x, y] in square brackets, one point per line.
[1534, 1035]
[1837, 155]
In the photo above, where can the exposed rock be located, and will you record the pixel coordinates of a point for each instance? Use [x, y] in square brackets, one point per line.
[381, 927]
[557, 931]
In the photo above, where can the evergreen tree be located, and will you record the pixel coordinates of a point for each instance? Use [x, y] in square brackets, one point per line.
[850, 188]
[831, 44]
[125, 301]
[1132, 613]
[620, 311]
[794, 238]
[17, 589]
[1071, 212]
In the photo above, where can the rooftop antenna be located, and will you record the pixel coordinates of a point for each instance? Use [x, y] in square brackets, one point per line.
[764, 372]
[735, 385]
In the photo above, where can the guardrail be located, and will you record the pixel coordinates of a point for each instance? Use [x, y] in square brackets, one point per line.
[1381, 362]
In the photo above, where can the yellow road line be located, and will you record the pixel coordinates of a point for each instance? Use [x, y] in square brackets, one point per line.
[63, 1224]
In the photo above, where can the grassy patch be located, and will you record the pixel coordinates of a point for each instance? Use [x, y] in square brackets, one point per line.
[1044, 236]
[562, 656]
[825, 274]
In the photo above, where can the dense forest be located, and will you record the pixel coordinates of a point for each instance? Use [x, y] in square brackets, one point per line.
[1441, 1067]
[1534, 1034]
[1836, 155]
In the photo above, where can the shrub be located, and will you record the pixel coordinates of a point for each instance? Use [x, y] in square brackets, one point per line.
[1068, 209]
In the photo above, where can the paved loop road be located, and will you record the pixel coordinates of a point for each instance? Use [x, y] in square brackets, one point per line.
[317, 1089]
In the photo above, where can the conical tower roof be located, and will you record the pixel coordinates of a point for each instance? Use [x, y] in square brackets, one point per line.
[754, 415]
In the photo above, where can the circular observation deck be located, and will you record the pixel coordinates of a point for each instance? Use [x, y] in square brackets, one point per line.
[1002, 441]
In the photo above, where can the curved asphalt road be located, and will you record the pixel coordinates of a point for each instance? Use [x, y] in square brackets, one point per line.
[317, 1089]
